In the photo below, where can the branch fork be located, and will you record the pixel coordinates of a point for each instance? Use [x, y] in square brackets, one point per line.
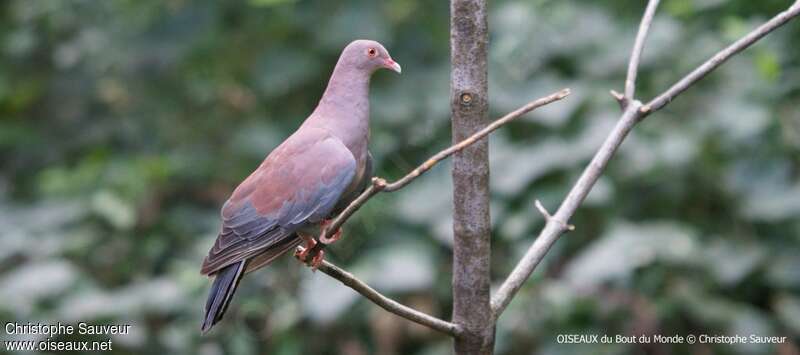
[634, 111]
[621, 100]
[549, 218]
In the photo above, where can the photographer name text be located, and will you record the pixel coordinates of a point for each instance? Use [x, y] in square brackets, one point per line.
[52, 330]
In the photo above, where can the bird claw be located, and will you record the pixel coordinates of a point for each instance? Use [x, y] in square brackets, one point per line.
[312, 248]
[312, 261]
[333, 238]
[315, 260]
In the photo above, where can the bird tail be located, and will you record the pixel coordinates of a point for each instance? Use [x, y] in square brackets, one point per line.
[225, 283]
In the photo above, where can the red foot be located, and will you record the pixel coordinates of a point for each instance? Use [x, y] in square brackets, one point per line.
[303, 255]
[335, 237]
[316, 259]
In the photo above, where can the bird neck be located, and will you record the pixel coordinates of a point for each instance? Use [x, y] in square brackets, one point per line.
[344, 108]
[347, 92]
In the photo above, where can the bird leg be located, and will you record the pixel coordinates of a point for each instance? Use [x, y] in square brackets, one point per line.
[310, 249]
[336, 236]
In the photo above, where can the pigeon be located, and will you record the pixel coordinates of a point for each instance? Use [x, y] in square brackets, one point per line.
[302, 184]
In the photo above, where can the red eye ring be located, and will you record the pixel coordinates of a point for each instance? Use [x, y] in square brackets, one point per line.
[372, 52]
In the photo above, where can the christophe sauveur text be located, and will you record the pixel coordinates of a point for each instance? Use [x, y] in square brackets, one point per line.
[51, 330]
[53, 341]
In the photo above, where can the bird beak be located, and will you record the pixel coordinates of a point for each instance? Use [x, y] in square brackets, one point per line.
[392, 65]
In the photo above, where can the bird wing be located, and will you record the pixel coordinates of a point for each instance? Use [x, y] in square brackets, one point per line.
[300, 182]
[363, 180]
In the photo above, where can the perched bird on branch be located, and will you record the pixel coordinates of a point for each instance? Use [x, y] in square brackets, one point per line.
[302, 184]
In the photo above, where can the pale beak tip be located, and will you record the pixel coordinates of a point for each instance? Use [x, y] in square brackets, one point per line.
[394, 66]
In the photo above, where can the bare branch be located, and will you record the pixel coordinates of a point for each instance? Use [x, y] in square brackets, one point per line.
[555, 225]
[633, 113]
[621, 100]
[638, 47]
[387, 303]
[719, 58]
[548, 218]
[379, 184]
[475, 137]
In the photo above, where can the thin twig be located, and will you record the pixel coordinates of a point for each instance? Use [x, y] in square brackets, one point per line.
[387, 303]
[631, 115]
[549, 218]
[475, 137]
[638, 47]
[620, 99]
[555, 226]
[380, 185]
[719, 58]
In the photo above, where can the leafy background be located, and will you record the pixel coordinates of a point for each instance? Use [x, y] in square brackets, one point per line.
[124, 125]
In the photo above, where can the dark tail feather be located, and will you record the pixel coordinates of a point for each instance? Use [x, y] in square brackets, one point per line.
[221, 293]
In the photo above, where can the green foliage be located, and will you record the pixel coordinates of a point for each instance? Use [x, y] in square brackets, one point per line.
[124, 125]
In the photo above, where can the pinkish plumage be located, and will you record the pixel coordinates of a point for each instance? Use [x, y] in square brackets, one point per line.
[308, 177]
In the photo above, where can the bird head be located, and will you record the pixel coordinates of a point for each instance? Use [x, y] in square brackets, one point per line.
[368, 56]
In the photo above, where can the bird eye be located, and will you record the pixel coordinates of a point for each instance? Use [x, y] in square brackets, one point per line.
[372, 52]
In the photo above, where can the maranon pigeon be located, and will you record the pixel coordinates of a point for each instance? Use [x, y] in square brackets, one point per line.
[302, 184]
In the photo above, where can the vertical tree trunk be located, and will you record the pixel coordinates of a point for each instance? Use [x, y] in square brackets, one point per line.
[469, 39]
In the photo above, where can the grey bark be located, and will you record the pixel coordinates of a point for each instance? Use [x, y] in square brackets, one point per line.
[469, 39]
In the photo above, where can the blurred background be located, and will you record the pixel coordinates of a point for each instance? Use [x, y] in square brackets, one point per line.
[124, 125]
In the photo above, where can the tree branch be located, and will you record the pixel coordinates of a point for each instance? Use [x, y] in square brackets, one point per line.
[549, 218]
[436, 158]
[723, 55]
[558, 223]
[638, 48]
[632, 114]
[387, 303]
[380, 185]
